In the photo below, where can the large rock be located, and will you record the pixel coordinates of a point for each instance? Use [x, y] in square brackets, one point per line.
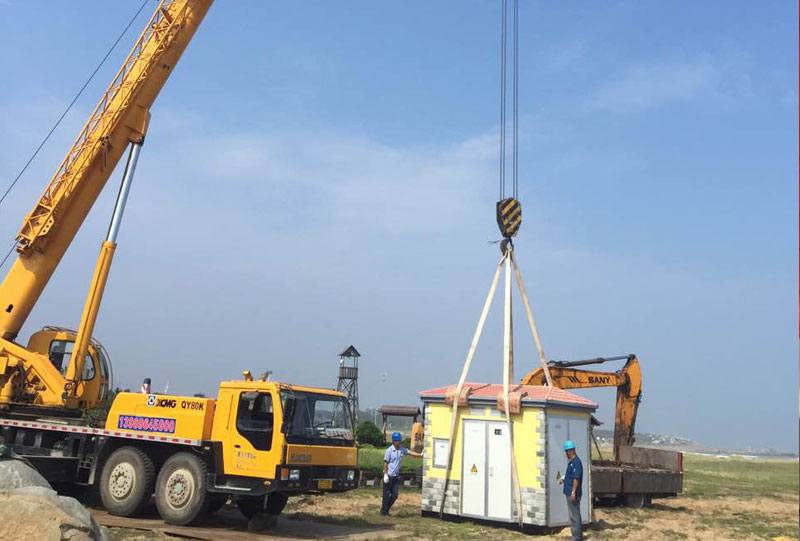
[16, 474]
[31, 510]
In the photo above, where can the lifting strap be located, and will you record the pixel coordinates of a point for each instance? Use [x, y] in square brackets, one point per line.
[506, 262]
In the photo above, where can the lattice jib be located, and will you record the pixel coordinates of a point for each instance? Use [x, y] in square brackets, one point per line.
[156, 38]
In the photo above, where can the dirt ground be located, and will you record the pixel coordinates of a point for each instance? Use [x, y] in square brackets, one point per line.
[678, 518]
[674, 518]
[721, 500]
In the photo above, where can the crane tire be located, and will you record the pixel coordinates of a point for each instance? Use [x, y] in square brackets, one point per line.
[216, 502]
[127, 481]
[181, 495]
[276, 501]
[250, 507]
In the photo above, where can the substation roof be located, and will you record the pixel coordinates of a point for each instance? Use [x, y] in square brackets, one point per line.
[532, 395]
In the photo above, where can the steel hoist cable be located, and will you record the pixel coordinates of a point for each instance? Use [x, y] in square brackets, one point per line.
[503, 77]
[509, 209]
[515, 137]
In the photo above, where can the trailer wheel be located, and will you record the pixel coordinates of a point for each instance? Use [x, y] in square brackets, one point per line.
[127, 481]
[181, 495]
[250, 507]
[636, 501]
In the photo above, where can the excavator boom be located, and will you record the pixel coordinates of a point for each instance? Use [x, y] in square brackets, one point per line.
[627, 380]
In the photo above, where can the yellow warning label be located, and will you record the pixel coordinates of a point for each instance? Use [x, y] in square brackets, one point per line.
[474, 469]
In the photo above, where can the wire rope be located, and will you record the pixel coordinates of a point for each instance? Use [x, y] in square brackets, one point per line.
[515, 136]
[503, 47]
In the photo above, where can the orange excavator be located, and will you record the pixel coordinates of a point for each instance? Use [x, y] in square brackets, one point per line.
[636, 475]
[627, 380]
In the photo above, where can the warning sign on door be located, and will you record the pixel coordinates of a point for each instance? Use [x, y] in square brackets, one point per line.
[473, 469]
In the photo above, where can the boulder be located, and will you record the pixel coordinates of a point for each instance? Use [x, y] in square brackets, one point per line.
[17, 474]
[31, 510]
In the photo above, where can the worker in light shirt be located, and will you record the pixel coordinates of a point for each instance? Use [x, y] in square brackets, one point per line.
[392, 459]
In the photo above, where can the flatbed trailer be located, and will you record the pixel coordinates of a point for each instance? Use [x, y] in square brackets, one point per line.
[639, 475]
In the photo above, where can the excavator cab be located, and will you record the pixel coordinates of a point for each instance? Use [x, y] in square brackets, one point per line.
[56, 344]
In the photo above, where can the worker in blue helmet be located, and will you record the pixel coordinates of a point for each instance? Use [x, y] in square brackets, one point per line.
[392, 459]
[572, 481]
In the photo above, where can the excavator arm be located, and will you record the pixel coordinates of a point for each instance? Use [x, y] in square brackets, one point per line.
[120, 119]
[627, 380]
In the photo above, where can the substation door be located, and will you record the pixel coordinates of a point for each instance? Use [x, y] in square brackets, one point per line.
[473, 474]
[578, 433]
[559, 429]
[486, 470]
[499, 471]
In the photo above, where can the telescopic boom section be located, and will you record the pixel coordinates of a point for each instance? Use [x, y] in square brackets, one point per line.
[120, 118]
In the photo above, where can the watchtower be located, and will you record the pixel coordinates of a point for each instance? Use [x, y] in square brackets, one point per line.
[348, 379]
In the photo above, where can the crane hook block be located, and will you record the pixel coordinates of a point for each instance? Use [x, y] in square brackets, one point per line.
[509, 216]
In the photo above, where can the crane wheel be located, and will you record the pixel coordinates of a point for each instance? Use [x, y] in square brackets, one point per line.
[216, 502]
[181, 496]
[127, 481]
[250, 507]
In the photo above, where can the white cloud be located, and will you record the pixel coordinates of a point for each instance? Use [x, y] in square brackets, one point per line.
[645, 86]
[343, 181]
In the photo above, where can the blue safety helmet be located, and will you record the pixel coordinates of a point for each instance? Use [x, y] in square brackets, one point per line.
[397, 437]
[568, 445]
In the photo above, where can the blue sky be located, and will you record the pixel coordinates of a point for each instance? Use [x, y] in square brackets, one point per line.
[323, 173]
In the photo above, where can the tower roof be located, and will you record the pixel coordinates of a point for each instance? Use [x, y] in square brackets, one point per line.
[350, 351]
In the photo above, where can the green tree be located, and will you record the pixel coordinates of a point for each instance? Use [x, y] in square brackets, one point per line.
[369, 434]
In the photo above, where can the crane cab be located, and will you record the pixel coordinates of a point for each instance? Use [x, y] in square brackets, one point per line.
[56, 344]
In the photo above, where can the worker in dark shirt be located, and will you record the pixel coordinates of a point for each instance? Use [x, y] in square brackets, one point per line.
[572, 489]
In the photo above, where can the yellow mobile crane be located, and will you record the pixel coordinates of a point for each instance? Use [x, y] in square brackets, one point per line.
[258, 442]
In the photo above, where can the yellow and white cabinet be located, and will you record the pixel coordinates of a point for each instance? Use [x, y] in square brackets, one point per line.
[481, 484]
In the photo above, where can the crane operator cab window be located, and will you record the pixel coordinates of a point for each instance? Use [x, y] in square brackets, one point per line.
[254, 419]
[61, 355]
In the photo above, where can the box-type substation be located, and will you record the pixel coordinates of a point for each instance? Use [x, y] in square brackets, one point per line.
[481, 483]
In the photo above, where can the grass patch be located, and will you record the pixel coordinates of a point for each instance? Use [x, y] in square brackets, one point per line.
[404, 518]
[750, 524]
[709, 477]
[370, 459]
[672, 534]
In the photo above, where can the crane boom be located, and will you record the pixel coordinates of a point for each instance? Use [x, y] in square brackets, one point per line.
[63, 370]
[120, 118]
